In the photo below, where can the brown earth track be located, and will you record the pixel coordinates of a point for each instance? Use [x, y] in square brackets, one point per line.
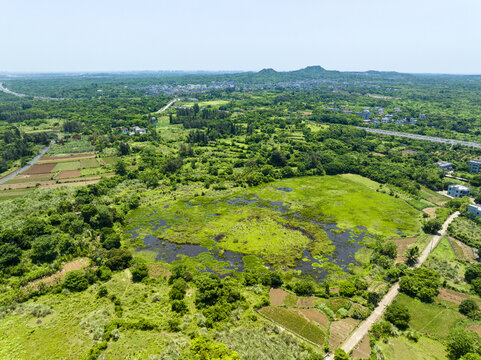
[40, 169]
[277, 296]
[452, 296]
[48, 184]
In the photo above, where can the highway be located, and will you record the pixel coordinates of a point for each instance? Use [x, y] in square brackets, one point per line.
[7, 91]
[377, 313]
[166, 106]
[422, 137]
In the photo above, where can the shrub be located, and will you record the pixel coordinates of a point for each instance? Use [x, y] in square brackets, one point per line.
[398, 315]
[75, 281]
[118, 259]
[102, 292]
[347, 288]
[179, 306]
[304, 287]
[44, 249]
[468, 307]
[178, 290]
[9, 255]
[139, 272]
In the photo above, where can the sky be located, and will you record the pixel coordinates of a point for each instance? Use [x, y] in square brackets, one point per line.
[418, 36]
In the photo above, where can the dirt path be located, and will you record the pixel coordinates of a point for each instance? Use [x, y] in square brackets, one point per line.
[377, 313]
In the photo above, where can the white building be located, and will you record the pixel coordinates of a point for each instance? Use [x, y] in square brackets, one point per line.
[475, 210]
[446, 166]
[457, 191]
[474, 166]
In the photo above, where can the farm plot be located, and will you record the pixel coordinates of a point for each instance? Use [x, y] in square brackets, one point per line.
[452, 296]
[363, 349]
[340, 330]
[89, 163]
[295, 323]
[40, 169]
[67, 166]
[68, 174]
[277, 296]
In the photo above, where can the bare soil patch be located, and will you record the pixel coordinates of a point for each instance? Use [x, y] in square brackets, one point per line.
[68, 174]
[306, 302]
[277, 296]
[340, 330]
[363, 349]
[402, 245]
[476, 328]
[431, 211]
[78, 264]
[378, 154]
[452, 296]
[313, 315]
[40, 169]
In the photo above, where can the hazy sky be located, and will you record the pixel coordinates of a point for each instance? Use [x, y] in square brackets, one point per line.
[97, 35]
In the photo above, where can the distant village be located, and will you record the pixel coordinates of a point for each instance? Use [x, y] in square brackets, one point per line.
[133, 131]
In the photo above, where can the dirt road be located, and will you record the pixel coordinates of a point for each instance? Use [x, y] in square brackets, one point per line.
[377, 313]
[166, 106]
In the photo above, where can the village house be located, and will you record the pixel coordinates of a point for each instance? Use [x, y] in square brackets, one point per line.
[457, 191]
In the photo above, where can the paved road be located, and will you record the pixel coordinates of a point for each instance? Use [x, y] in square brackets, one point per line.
[166, 106]
[7, 91]
[377, 313]
[30, 163]
[422, 137]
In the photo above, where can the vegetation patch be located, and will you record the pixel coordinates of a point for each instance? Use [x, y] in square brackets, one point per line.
[295, 323]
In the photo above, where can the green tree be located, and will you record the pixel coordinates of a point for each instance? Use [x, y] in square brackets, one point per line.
[469, 307]
[340, 354]
[461, 342]
[9, 255]
[75, 281]
[203, 348]
[44, 248]
[412, 254]
[398, 315]
[139, 272]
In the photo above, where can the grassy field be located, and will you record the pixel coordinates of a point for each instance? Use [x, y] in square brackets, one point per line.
[432, 320]
[466, 230]
[74, 146]
[65, 166]
[402, 348]
[347, 200]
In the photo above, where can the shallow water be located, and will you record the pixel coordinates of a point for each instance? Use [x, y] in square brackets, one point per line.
[346, 243]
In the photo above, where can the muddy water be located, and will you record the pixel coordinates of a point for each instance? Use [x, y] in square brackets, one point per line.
[347, 243]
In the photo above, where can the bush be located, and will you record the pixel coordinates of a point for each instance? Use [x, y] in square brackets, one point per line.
[44, 249]
[469, 307]
[347, 288]
[75, 281]
[118, 259]
[340, 354]
[304, 287]
[472, 272]
[102, 292]
[139, 272]
[9, 255]
[398, 315]
[178, 290]
[422, 283]
[179, 306]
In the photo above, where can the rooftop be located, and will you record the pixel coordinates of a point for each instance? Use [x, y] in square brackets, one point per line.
[475, 161]
[460, 187]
